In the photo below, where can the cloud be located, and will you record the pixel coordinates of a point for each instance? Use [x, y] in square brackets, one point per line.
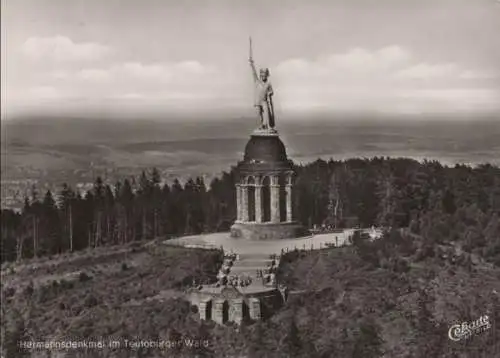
[132, 96]
[60, 75]
[63, 49]
[390, 78]
[353, 62]
[427, 71]
[193, 67]
[183, 97]
[44, 92]
[359, 64]
[143, 71]
[386, 79]
[457, 96]
[140, 72]
[398, 100]
[93, 74]
[362, 59]
[83, 75]
[162, 71]
[478, 75]
[140, 82]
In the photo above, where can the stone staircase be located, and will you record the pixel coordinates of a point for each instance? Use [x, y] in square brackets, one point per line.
[251, 265]
[241, 292]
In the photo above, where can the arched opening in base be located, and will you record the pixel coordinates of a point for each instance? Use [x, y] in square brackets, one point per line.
[225, 312]
[208, 314]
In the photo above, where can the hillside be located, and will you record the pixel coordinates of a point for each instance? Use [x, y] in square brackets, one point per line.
[362, 302]
[121, 292]
[350, 302]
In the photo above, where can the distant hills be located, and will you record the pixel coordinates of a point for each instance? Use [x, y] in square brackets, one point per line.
[472, 141]
[42, 148]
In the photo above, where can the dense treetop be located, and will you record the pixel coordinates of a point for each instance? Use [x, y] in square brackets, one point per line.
[366, 192]
[438, 265]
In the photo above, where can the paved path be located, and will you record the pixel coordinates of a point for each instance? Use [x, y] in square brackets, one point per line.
[243, 246]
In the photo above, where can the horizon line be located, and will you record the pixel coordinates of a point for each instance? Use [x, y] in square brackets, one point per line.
[227, 115]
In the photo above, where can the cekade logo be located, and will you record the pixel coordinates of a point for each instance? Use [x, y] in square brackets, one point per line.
[465, 330]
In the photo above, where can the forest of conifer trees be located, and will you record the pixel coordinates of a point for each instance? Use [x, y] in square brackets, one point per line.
[365, 192]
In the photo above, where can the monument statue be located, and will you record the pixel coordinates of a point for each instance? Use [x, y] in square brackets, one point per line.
[263, 95]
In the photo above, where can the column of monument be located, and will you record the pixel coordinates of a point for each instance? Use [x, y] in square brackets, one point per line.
[239, 207]
[258, 202]
[244, 202]
[218, 310]
[203, 309]
[275, 199]
[254, 308]
[288, 194]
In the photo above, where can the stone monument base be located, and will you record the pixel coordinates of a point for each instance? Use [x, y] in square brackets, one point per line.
[264, 132]
[267, 231]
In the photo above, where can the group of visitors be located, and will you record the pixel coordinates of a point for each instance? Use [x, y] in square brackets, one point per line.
[224, 279]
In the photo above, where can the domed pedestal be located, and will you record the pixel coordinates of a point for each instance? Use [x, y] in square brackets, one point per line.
[264, 190]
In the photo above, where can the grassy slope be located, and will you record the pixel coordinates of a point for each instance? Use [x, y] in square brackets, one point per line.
[136, 291]
[345, 303]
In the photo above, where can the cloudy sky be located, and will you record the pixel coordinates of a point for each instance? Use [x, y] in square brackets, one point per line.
[403, 56]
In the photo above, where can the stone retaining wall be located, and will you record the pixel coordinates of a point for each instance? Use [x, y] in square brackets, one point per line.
[267, 231]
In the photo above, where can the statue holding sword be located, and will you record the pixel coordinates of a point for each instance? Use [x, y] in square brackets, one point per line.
[263, 95]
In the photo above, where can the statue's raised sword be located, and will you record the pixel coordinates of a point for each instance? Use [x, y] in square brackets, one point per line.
[250, 53]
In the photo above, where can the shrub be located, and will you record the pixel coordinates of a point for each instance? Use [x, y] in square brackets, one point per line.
[10, 291]
[15, 331]
[66, 284]
[29, 290]
[401, 265]
[83, 277]
[90, 301]
[186, 281]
